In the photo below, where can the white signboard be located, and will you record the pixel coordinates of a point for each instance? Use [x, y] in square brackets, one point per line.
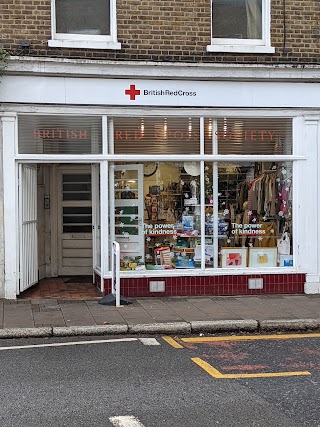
[172, 93]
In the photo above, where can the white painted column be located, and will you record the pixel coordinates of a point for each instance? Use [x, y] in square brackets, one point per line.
[307, 202]
[1, 217]
[8, 122]
[104, 222]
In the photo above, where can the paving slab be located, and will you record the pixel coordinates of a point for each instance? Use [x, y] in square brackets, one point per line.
[266, 311]
[77, 314]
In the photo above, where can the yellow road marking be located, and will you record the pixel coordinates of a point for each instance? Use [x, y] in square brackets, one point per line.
[216, 374]
[172, 342]
[207, 367]
[250, 338]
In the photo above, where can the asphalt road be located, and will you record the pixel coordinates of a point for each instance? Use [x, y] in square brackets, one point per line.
[131, 384]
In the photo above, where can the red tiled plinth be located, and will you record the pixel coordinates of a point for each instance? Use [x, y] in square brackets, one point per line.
[210, 285]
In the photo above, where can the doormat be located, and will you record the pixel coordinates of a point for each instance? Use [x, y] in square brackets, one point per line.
[79, 279]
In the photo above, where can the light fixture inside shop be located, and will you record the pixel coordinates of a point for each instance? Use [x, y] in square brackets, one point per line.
[210, 128]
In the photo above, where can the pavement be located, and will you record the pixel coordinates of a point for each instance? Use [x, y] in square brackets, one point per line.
[165, 315]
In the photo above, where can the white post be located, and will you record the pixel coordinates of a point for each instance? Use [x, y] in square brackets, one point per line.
[307, 200]
[116, 272]
[10, 207]
[104, 220]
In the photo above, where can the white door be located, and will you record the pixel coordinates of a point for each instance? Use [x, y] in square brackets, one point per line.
[28, 233]
[126, 204]
[75, 221]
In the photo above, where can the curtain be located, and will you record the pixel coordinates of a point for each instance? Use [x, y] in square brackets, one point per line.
[254, 19]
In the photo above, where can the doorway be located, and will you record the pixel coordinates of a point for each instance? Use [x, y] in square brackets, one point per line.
[59, 222]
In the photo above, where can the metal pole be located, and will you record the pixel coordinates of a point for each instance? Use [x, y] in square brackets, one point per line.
[116, 272]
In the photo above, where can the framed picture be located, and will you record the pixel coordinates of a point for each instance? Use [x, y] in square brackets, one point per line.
[286, 261]
[234, 257]
[262, 257]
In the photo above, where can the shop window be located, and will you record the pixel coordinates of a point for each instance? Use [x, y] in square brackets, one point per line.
[249, 223]
[157, 221]
[59, 135]
[84, 23]
[241, 26]
[156, 215]
[156, 135]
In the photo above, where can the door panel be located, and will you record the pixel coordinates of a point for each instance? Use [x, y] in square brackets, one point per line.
[96, 240]
[75, 221]
[28, 233]
[127, 205]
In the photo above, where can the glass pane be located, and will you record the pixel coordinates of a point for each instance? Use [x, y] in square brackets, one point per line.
[59, 134]
[76, 196]
[83, 17]
[76, 210]
[120, 211]
[69, 219]
[77, 229]
[126, 230]
[254, 215]
[254, 136]
[237, 19]
[156, 135]
[172, 216]
[72, 177]
[76, 187]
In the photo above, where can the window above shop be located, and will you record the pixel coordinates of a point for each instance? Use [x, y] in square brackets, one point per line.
[241, 26]
[84, 24]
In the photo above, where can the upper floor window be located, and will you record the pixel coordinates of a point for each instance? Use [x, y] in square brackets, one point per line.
[241, 26]
[84, 24]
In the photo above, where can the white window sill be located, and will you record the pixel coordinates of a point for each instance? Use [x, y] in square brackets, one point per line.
[240, 49]
[85, 44]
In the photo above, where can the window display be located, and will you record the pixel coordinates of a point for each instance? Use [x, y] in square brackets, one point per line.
[202, 214]
[172, 216]
[247, 215]
[253, 210]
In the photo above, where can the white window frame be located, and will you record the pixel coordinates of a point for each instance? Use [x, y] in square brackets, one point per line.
[85, 41]
[262, 45]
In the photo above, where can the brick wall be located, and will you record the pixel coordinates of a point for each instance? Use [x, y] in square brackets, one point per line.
[167, 30]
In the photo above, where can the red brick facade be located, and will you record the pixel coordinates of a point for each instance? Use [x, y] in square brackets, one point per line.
[167, 30]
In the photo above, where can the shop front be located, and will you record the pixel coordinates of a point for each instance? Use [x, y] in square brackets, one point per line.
[203, 201]
[204, 226]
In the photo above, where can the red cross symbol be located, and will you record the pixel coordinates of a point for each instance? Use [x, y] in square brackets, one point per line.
[133, 92]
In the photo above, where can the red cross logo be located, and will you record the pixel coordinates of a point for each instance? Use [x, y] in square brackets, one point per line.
[133, 92]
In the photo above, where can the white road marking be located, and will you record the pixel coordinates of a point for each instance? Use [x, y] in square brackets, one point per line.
[61, 344]
[125, 421]
[149, 341]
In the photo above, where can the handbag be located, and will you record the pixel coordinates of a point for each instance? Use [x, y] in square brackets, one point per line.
[283, 245]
